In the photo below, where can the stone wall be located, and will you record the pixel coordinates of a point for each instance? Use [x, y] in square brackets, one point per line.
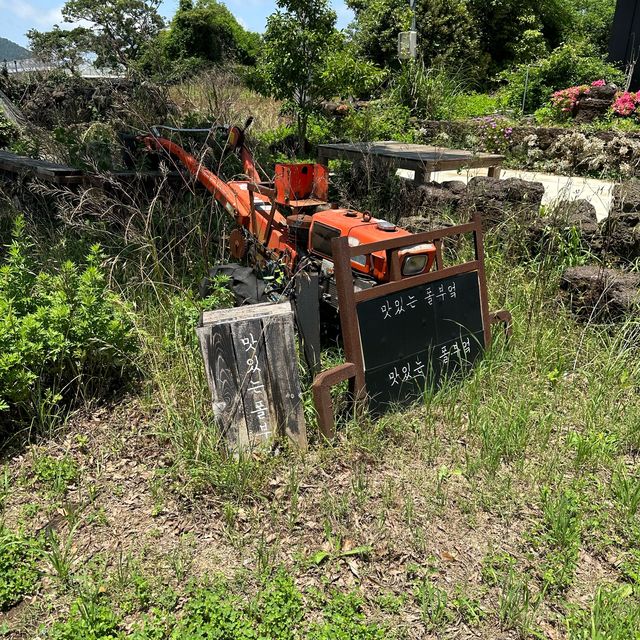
[549, 149]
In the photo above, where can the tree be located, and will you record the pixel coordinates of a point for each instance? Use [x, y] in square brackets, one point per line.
[376, 28]
[594, 22]
[209, 31]
[446, 31]
[297, 40]
[447, 36]
[502, 24]
[60, 47]
[120, 29]
[348, 75]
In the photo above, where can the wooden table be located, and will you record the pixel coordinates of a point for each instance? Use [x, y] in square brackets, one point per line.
[13, 164]
[421, 158]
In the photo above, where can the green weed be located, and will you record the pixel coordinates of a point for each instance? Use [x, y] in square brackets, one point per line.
[18, 573]
[517, 604]
[614, 615]
[626, 491]
[280, 608]
[90, 617]
[343, 618]
[434, 605]
[56, 474]
[5, 486]
[63, 331]
[562, 537]
[495, 566]
[59, 554]
[469, 610]
[181, 557]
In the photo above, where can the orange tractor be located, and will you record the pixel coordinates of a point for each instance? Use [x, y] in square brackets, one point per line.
[286, 226]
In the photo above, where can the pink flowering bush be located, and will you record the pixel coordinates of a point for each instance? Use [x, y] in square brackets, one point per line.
[626, 103]
[567, 100]
[495, 133]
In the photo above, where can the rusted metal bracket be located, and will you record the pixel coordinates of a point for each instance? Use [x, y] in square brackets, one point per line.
[504, 318]
[322, 395]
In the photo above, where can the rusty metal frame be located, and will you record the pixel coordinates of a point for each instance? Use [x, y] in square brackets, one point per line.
[504, 318]
[348, 299]
[322, 395]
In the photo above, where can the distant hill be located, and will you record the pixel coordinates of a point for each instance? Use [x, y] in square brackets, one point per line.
[12, 51]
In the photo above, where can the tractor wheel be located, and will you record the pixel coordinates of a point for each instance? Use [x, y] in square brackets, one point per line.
[245, 284]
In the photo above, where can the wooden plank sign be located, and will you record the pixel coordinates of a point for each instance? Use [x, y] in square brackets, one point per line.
[252, 371]
[413, 339]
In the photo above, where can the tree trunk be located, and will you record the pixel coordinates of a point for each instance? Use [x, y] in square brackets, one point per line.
[302, 132]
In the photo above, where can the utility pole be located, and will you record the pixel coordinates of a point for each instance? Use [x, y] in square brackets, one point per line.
[408, 40]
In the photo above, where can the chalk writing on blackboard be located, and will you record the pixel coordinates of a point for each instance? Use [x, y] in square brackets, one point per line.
[408, 371]
[407, 302]
[414, 339]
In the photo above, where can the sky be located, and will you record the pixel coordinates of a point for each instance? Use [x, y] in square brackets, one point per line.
[18, 16]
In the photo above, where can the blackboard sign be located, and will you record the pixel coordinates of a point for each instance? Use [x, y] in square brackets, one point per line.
[625, 37]
[414, 339]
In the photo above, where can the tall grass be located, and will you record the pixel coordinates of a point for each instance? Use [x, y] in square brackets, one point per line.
[429, 92]
[219, 96]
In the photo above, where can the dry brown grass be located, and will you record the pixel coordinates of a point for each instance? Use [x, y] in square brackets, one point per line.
[220, 96]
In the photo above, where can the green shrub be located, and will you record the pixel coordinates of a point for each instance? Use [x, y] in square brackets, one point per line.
[281, 608]
[215, 611]
[472, 105]
[426, 92]
[381, 120]
[344, 620]
[214, 614]
[209, 31]
[566, 66]
[18, 573]
[89, 620]
[8, 132]
[347, 75]
[62, 331]
[88, 147]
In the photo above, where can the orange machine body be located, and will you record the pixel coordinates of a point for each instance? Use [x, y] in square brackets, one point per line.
[362, 229]
[299, 190]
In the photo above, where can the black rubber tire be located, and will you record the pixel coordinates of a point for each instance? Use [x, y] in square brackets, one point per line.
[247, 287]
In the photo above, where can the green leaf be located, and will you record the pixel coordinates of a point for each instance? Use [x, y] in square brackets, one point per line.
[363, 551]
[319, 557]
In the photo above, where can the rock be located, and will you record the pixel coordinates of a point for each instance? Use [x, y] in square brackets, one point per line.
[621, 235]
[601, 294]
[580, 215]
[621, 230]
[545, 137]
[497, 200]
[455, 186]
[566, 218]
[590, 109]
[419, 224]
[434, 197]
[335, 109]
[595, 104]
[626, 197]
